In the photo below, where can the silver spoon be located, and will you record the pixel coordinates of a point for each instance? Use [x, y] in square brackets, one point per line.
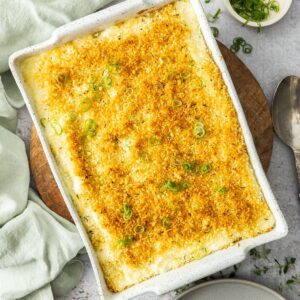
[286, 115]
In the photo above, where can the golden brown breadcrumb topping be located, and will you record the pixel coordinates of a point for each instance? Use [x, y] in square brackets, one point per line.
[153, 137]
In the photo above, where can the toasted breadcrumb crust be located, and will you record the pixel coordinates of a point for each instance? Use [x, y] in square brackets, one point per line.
[122, 107]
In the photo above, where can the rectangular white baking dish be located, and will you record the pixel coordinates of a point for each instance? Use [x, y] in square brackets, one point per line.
[196, 269]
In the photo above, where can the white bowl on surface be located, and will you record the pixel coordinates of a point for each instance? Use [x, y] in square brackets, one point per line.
[273, 18]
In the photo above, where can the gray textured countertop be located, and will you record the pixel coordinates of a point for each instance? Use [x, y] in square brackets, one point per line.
[276, 54]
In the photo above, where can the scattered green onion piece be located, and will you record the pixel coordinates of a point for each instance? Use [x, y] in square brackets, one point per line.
[199, 131]
[235, 48]
[207, 1]
[175, 187]
[247, 48]
[96, 34]
[205, 168]
[90, 127]
[57, 128]
[215, 16]
[239, 41]
[145, 157]
[189, 167]
[126, 210]
[43, 122]
[113, 67]
[138, 229]
[107, 81]
[166, 222]
[177, 103]
[154, 141]
[215, 31]
[63, 78]
[72, 116]
[184, 76]
[223, 190]
[85, 104]
[127, 240]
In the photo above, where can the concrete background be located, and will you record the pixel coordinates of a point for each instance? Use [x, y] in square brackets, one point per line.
[276, 54]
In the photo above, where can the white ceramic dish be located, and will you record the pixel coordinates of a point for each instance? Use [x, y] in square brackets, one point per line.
[273, 18]
[196, 269]
[229, 289]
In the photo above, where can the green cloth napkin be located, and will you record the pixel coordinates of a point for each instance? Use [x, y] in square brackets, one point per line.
[37, 246]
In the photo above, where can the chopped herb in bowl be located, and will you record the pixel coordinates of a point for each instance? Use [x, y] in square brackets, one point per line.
[255, 10]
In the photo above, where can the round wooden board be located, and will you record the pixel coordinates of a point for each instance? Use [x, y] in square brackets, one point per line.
[255, 106]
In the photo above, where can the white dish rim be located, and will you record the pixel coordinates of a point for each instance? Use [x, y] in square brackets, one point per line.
[231, 280]
[197, 269]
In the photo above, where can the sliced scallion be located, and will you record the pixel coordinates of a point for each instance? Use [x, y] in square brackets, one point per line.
[126, 211]
[166, 222]
[174, 186]
[127, 240]
[138, 229]
[43, 122]
[199, 131]
[57, 128]
[223, 190]
[154, 141]
[85, 104]
[90, 127]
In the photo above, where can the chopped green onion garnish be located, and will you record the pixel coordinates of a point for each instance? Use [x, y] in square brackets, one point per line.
[212, 18]
[154, 141]
[126, 210]
[185, 75]
[205, 168]
[90, 127]
[177, 103]
[127, 240]
[145, 157]
[72, 116]
[63, 78]
[85, 104]
[223, 190]
[166, 222]
[196, 168]
[247, 48]
[106, 81]
[199, 131]
[239, 42]
[43, 122]
[215, 16]
[189, 167]
[96, 34]
[57, 128]
[215, 31]
[138, 229]
[113, 67]
[175, 187]
[207, 1]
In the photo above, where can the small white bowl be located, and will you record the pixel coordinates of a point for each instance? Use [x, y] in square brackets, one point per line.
[273, 18]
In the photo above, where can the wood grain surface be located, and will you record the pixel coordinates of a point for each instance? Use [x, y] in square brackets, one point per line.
[255, 106]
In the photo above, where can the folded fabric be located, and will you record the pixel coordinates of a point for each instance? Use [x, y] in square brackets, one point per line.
[24, 23]
[37, 246]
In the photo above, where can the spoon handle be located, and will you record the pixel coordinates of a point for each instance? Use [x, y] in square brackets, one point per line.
[297, 159]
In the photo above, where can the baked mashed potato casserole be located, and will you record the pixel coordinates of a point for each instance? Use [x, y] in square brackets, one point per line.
[148, 144]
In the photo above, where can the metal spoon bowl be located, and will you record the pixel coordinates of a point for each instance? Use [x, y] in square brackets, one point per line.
[286, 115]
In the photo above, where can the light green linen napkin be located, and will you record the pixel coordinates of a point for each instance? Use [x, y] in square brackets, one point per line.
[37, 247]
